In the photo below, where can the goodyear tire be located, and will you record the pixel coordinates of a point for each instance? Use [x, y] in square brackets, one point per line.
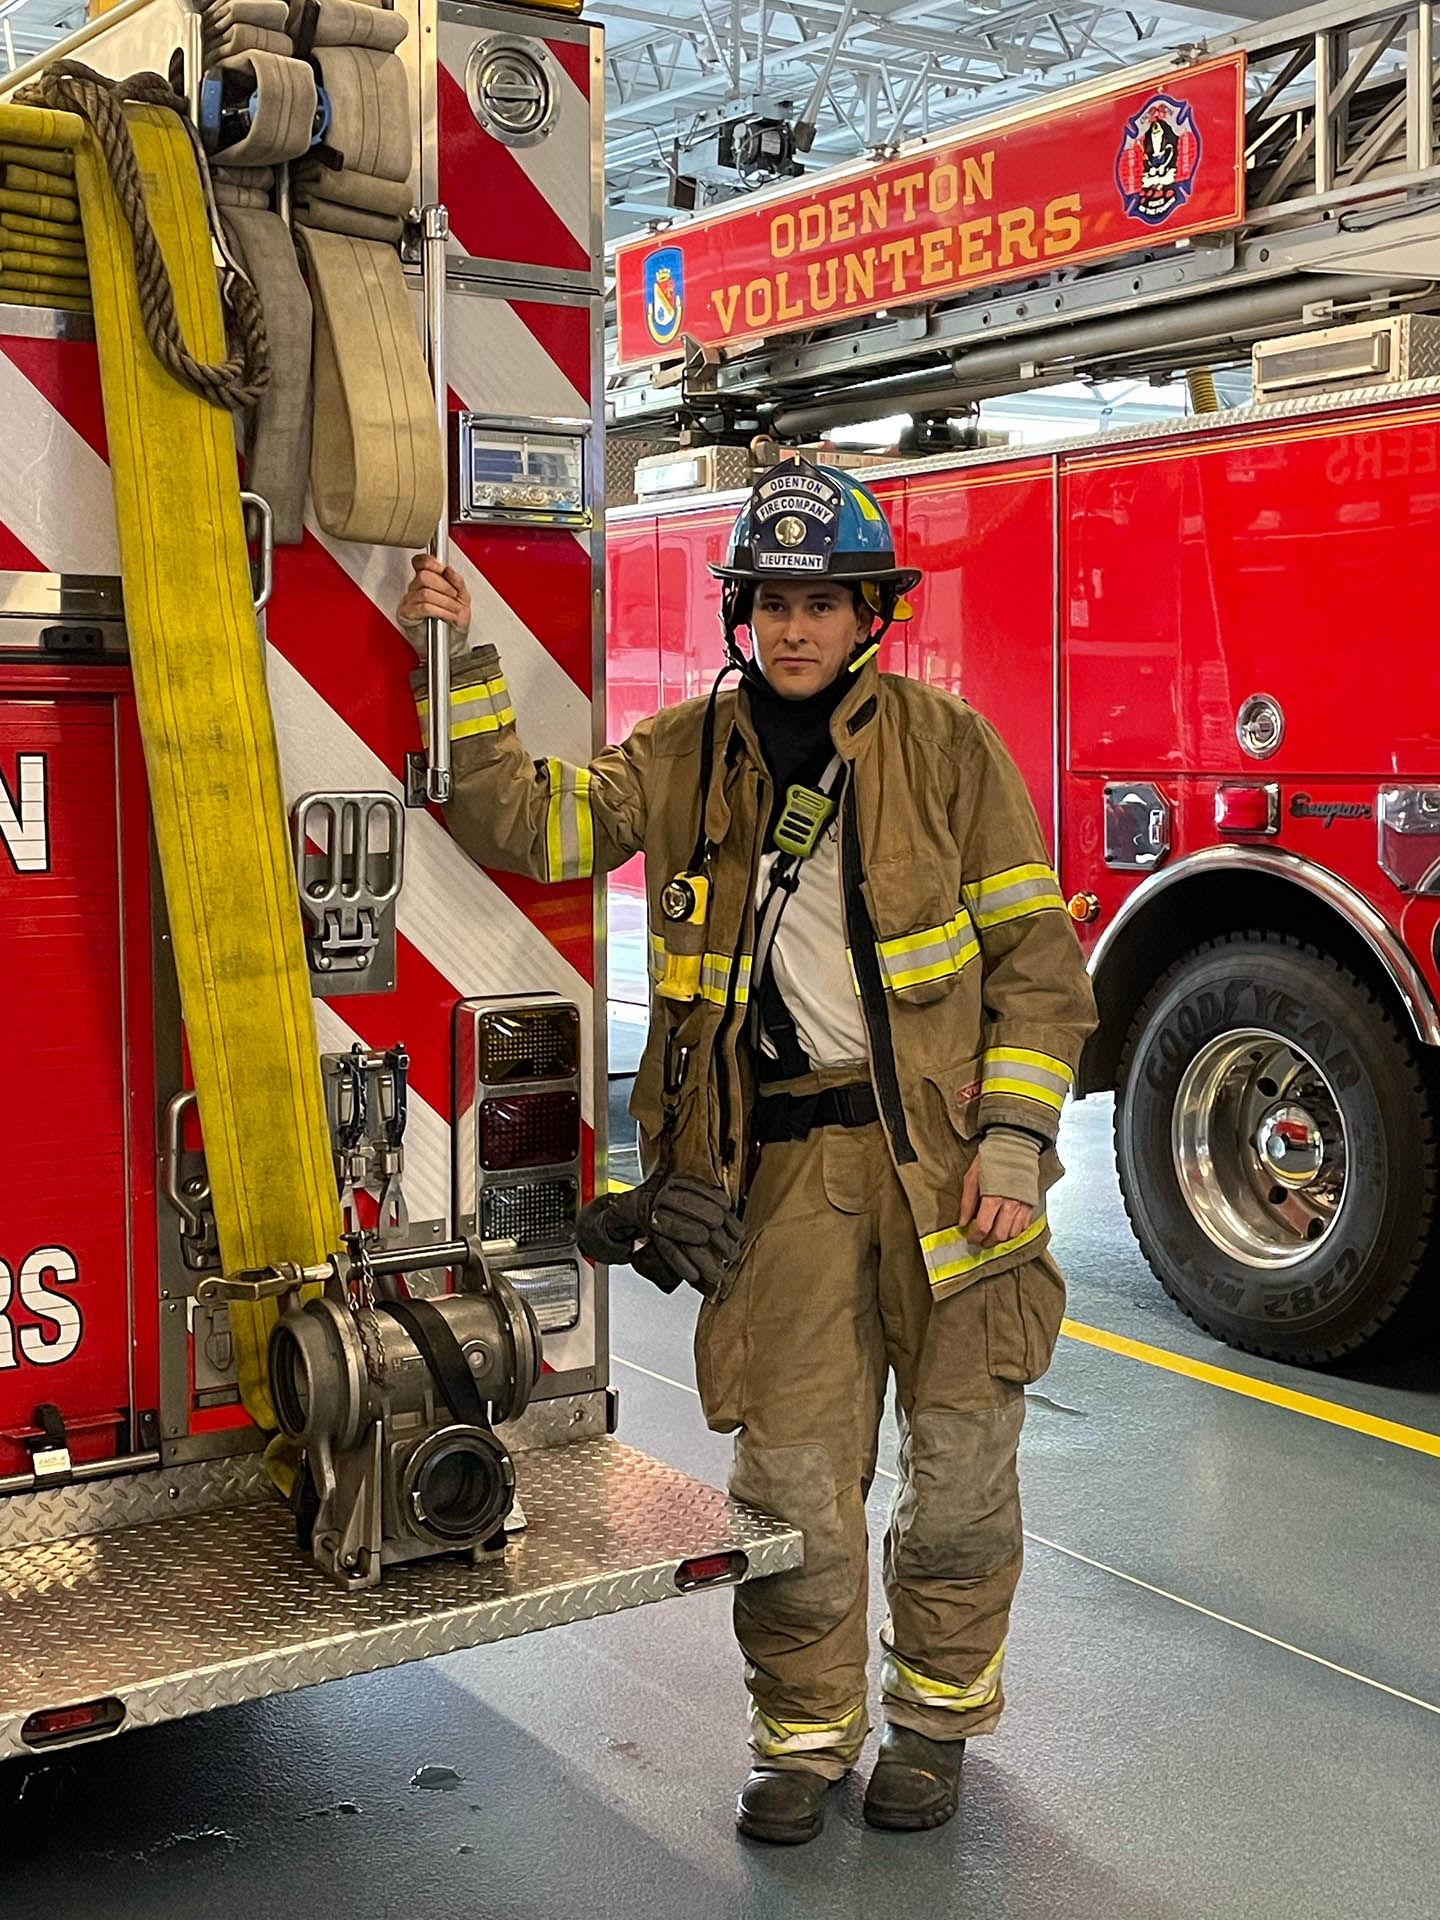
[1277, 1150]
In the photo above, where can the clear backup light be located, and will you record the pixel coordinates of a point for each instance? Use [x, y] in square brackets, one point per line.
[1410, 837]
[539, 1214]
[552, 1290]
[529, 1130]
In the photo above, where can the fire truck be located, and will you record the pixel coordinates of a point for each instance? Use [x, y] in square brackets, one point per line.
[1209, 644]
[301, 1103]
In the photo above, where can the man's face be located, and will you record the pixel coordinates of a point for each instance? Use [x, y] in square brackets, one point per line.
[804, 633]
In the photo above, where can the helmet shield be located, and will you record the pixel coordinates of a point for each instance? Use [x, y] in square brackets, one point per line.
[804, 522]
[793, 518]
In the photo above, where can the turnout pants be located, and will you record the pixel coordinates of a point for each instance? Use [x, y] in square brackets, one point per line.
[831, 1297]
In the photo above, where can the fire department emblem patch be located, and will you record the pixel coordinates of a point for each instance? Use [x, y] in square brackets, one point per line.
[1158, 159]
[664, 294]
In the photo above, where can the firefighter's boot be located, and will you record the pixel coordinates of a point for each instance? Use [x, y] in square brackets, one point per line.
[916, 1782]
[783, 1805]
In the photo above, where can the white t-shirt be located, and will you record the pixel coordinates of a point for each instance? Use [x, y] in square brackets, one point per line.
[809, 961]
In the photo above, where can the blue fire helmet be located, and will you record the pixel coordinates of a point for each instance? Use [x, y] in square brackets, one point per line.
[808, 522]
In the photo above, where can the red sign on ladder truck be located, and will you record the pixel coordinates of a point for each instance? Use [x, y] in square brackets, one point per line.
[1092, 180]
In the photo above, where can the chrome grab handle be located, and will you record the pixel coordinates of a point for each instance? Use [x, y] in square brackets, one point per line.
[189, 1205]
[434, 236]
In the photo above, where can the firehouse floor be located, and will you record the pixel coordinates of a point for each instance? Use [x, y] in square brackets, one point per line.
[1224, 1689]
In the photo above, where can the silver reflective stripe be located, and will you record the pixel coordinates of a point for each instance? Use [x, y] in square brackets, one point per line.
[773, 1738]
[900, 1681]
[482, 707]
[1013, 894]
[569, 826]
[933, 954]
[715, 978]
[949, 1255]
[1032, 1075]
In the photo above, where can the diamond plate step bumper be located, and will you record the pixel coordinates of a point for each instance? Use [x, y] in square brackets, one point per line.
[176, 1613]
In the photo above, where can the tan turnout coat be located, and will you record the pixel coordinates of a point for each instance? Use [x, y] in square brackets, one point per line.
[974, 993]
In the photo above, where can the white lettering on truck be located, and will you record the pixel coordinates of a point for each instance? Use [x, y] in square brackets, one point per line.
[42, 1346]
[24, 818]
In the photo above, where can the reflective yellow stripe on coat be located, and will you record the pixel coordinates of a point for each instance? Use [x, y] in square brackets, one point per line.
[482, 707]
[1034, 1076]
[950, 1256]
[1013, 894]
[932, 954]
[569, 824]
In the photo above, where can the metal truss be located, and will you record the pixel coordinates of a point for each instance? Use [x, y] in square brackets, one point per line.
[28, 27]
[866, 76]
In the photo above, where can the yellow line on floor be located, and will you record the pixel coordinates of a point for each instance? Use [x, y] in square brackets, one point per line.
[1133, 1580]
[1309, 1404]
[1332, 1412]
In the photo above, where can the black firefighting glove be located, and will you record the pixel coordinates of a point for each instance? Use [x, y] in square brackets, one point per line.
[671, 1229]
[694, 1230]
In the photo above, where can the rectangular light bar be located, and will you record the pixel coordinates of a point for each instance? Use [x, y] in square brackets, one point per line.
[527, 1043]
[540, 1213]
[552, 1290]
[526, 471]
[516, 1139]
[1243, 807]
[529, 1130]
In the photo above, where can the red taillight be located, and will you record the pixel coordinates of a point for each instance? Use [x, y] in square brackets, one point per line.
[1247, 809]
[51, 1725]
[711, 1570]
[529, 1130]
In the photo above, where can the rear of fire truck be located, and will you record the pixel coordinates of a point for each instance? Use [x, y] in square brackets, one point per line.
[1208, 643]
[301, 1371]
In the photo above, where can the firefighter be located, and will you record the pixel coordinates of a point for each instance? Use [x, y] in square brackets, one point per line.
[867, 1006]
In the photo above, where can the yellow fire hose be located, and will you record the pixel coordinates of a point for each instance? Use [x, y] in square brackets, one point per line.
[210, 750]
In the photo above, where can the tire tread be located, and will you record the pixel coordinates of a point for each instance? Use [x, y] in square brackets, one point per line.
[1402, 1302]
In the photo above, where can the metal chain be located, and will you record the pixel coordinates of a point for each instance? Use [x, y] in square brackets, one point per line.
[236, 383]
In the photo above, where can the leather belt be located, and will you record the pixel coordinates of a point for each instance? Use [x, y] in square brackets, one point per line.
[793, 1116]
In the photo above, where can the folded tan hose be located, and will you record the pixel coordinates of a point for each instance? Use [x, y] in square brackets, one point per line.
[375, 467]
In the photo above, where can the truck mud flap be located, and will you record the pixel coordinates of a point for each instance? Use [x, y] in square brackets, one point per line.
[126, 1603]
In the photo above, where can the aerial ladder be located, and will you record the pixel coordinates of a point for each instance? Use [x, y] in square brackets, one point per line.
[1335, 214]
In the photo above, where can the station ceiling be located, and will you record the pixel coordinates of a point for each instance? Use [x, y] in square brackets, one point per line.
[862, 74]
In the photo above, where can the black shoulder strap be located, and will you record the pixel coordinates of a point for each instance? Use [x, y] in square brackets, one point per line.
[443, 1354]
[707, 765]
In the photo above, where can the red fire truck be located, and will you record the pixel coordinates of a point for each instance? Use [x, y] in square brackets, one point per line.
[147, 1568]
[1209, 645]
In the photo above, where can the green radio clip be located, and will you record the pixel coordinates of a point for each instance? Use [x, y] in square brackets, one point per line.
[804, 817]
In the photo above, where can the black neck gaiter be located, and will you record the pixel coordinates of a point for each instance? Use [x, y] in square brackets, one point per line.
[794, 735]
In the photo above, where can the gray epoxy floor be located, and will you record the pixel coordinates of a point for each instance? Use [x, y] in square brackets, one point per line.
[1158, 1762]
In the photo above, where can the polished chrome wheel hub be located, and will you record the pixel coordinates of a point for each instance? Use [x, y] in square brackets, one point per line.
[1259, 1146]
